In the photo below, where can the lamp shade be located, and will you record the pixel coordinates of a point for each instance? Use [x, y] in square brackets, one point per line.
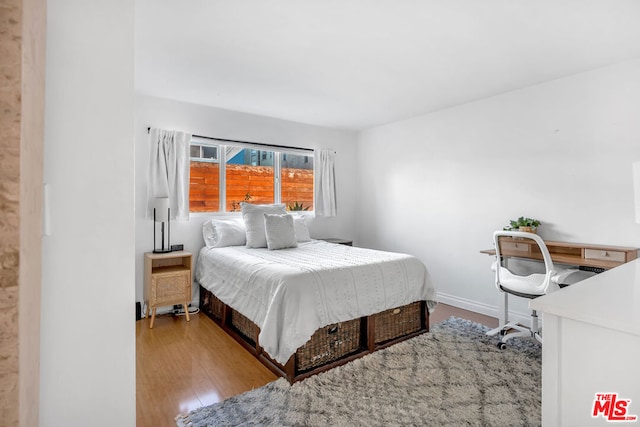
[161, 206]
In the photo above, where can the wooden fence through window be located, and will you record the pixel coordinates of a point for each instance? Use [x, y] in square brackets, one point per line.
[254, 184]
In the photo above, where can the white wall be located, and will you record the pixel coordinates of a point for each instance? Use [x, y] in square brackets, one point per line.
[438, 185]
[88, 329]
[215, 122]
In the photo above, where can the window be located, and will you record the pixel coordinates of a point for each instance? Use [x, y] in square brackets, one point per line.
[204, 152]
[223, 176]
[249, 178]
[204, 181]
[296, 177]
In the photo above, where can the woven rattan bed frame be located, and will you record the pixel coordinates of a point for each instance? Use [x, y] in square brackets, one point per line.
[330, 346]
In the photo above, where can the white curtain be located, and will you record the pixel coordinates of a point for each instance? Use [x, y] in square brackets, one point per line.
[325, 177]
[169, 171]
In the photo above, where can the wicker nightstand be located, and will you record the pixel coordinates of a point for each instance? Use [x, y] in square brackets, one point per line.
[167, 281]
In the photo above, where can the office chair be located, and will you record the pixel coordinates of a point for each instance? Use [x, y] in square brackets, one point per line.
[530, 286]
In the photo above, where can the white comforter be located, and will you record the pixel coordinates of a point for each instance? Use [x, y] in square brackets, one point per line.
[290, 293]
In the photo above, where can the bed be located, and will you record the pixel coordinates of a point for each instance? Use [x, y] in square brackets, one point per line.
[305, 309]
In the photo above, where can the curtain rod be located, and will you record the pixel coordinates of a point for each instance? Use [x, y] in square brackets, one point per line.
[261, 144]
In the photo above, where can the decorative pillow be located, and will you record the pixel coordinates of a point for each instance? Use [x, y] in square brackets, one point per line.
[279, 231]
[218, 233]
[302, 231]
[253, 216]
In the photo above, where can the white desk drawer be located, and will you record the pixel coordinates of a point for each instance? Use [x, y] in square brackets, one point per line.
[604, 255]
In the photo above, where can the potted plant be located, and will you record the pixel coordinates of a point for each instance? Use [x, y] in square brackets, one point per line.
[528, 225]
[297, 207]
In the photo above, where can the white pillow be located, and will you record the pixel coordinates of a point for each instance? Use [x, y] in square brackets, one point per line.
[302, 231]
[279, 231]
[253, 216]
[218, 233]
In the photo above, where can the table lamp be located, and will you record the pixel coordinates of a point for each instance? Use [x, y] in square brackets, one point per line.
[161, 214]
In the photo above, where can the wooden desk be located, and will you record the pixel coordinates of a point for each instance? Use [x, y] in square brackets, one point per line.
[596, 258]
[577, 254]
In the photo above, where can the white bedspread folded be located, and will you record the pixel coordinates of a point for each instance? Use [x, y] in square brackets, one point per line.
[290, 293]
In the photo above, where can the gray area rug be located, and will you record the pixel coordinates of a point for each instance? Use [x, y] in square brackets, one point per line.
[454, 375]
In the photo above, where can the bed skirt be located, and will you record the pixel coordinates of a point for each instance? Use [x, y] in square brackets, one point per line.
[330, 346]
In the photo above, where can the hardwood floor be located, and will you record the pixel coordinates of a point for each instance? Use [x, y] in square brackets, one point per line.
[183, 365]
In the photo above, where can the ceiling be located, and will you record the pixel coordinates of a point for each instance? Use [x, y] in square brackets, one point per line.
[355, 64]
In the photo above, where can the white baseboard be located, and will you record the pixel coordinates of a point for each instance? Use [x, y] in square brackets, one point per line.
[478, 307]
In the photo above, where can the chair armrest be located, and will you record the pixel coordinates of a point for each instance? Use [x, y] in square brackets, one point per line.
[561, 275]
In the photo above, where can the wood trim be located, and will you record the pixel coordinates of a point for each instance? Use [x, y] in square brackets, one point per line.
[425, 316]
[370, 328]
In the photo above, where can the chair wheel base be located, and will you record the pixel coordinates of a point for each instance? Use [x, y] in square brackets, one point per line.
[502, 346]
